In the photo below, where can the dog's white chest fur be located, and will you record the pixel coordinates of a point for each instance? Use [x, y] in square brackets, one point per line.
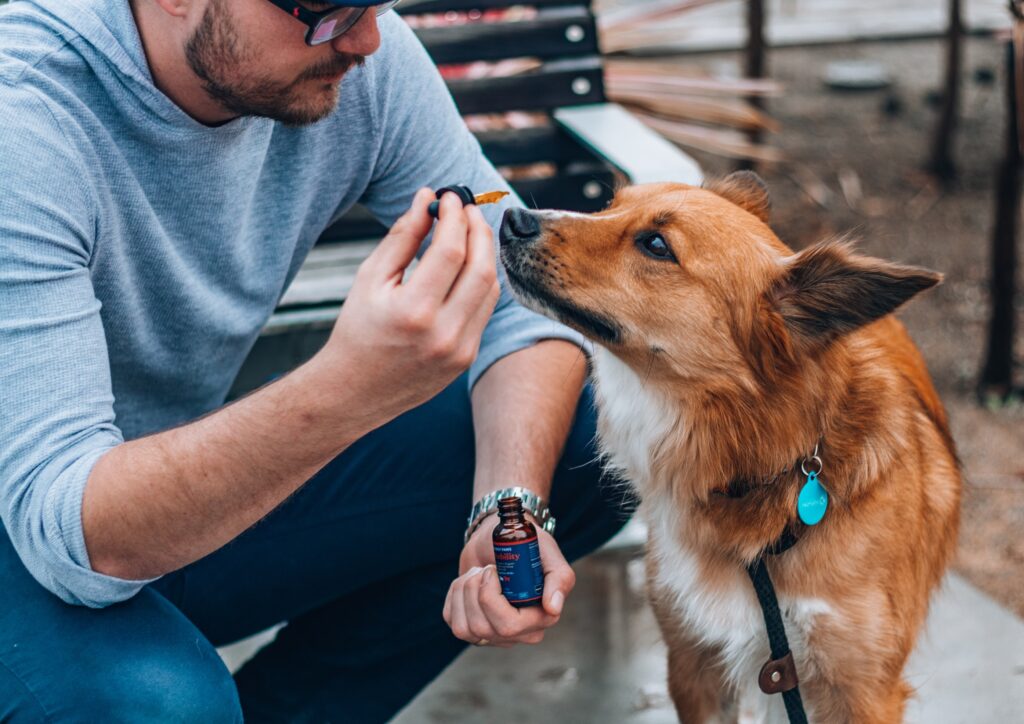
[633, 420]
[726, 616]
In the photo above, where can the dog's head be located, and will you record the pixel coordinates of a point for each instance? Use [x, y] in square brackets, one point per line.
[690, 283]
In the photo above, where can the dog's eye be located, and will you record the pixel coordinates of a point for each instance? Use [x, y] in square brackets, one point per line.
[654, 245]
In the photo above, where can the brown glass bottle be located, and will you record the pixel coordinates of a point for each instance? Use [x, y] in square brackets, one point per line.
[517, 555]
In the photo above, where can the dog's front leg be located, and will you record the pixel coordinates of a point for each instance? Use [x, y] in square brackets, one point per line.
[697, 685]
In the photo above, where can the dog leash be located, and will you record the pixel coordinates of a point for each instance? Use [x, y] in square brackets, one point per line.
[778, 675]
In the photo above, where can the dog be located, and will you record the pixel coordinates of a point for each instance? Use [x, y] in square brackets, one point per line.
[725, 366]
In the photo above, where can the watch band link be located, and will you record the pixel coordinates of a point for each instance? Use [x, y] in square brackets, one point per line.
[532, 504]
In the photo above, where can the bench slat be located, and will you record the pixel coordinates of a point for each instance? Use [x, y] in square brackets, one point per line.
[554, 85]
[522, 146]
[559, 33]
[583, 187]
[327, 274]
[424, 7]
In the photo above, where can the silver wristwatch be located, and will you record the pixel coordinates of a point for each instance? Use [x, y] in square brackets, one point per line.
[532, 504]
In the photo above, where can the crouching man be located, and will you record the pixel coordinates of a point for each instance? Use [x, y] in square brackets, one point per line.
[167, 165]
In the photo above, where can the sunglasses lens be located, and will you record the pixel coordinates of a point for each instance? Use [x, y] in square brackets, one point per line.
[335, 24]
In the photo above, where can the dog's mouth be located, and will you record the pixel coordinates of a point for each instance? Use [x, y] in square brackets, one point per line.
[537, 296]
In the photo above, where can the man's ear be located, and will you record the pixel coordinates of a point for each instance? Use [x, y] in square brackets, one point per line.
[745, 189]
[827, 291]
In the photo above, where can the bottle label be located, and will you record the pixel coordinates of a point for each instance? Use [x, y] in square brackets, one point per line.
[519, 570]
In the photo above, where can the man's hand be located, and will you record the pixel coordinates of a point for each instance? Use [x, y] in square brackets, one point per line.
[475, 608]
[404, 341]
[157, 503]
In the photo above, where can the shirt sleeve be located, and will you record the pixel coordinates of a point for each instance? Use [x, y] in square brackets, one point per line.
[423, 141]
[55, 393]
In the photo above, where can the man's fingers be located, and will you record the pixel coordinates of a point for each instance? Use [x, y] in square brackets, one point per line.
[499, 612]
[477, 285]
[483, 314]
[397, 250]
[476, 291]
[446, 612]
[444, 259]
[508, 621]
[479, 626]
[559, 578]
[459, 624]
[532, 638]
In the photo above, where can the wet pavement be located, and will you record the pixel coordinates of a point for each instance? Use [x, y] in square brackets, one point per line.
[605, 663]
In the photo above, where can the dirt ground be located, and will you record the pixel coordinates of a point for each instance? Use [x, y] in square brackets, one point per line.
[869, 161]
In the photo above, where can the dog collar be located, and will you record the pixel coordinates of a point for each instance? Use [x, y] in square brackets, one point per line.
[812, 501]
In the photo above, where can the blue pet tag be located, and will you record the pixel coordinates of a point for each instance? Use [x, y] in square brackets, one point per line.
[813, 501]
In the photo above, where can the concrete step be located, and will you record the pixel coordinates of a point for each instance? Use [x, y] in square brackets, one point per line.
[605, 662]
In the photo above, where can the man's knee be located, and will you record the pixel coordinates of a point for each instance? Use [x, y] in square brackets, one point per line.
[138, 661]
[131, 692]
[183, 686]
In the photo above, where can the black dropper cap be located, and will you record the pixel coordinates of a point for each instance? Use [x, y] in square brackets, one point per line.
[463, 192]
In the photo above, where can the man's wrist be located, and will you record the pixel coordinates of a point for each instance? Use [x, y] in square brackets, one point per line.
[339, 398]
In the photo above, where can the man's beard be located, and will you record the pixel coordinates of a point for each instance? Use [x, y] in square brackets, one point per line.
[215, 54]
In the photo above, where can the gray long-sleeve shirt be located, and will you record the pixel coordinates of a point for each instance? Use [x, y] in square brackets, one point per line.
[141, 252]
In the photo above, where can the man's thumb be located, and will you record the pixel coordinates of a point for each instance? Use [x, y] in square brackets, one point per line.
[559, 580]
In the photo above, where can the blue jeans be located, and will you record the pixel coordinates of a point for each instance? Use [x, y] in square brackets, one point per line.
[358, 562]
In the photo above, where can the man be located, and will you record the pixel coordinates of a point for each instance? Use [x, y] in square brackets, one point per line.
[166, 166]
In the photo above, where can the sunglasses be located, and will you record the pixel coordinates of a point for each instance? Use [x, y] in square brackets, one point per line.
[327, 25]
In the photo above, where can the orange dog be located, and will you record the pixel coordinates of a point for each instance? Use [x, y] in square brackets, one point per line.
[723, 362]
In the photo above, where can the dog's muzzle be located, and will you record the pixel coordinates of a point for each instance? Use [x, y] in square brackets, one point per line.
[519, 226]
[538, 288]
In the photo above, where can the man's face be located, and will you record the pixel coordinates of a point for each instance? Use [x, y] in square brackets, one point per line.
[253, 60]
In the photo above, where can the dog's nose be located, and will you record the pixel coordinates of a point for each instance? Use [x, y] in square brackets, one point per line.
[518, 226]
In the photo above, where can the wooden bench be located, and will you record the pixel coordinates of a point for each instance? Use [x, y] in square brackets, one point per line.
[587, 143]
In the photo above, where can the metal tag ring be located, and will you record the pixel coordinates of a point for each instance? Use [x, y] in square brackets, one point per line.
[813, 458]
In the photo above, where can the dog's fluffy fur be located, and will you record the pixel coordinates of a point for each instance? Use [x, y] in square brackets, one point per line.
[718, 368]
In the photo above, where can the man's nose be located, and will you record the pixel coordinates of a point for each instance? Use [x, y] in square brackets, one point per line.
[363, 38]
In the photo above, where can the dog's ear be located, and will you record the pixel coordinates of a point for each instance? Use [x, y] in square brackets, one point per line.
[745, 189]
[827, 291]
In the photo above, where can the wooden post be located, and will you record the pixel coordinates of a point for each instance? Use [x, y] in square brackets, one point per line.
[755, 62]
[942, 163]
[997, 374]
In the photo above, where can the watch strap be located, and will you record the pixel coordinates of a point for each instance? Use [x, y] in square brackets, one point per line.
[532, 504]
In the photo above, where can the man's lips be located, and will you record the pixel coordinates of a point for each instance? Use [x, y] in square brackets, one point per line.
[329, 77]
[333, 74]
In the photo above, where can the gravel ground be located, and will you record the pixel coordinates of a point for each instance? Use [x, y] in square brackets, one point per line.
[839, 139]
